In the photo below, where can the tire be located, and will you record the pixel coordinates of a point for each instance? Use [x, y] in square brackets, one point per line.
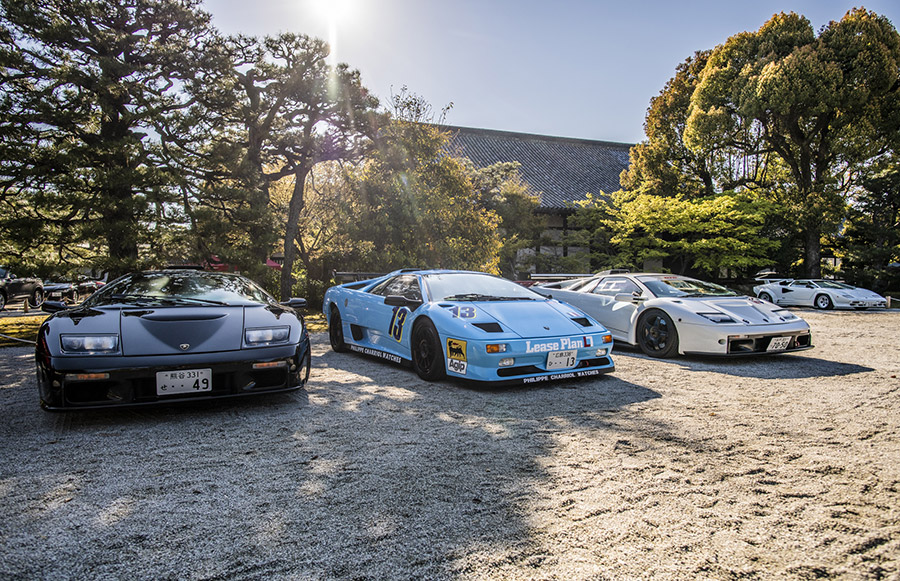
[823, 302]
[656, 334]
[336, 331]
[2, 301]
[37, 298]
[766, 297]
[427, 354]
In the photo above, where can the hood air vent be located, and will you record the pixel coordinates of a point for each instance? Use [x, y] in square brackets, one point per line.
[489, 327]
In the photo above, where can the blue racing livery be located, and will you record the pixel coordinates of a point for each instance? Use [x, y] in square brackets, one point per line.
[467, 325]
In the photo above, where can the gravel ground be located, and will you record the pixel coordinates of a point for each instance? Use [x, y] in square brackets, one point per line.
[693, 468]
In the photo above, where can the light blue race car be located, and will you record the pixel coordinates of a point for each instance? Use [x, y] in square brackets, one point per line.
[467, 325]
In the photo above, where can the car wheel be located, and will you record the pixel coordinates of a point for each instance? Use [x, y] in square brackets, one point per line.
[766, 297]
[427, 354]
[2, 301]
[336, 331]
[656, 334]
[37, 298]
[823, 302]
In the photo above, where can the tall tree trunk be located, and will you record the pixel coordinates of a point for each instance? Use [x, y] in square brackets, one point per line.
[812, 262]
[292, 229]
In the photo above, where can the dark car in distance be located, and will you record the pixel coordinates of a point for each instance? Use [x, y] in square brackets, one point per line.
[71, 292]
[170, 336]
[14, 289]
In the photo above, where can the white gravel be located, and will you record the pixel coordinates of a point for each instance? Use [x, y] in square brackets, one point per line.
[693, 468]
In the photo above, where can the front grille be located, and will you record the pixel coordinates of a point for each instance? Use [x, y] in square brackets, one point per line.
[761, 344]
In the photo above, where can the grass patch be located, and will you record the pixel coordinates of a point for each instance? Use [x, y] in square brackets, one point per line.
[24, 328]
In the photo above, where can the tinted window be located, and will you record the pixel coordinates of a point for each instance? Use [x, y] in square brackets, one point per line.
[177, 285]
[406, 286]
[616, 285]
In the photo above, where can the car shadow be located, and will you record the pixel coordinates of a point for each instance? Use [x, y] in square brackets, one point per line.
[785, 366]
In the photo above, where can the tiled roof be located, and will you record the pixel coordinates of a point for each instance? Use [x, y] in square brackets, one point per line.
[561, 169]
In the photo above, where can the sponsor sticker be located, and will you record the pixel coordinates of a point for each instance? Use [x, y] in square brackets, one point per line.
[375, 352]
[456, 356]
[563, 344]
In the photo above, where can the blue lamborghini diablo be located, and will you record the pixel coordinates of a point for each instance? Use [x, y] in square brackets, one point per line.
[467, 325]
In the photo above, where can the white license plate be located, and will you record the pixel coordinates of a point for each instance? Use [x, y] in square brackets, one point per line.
[779, 343]
[561, 359]
[183, 381]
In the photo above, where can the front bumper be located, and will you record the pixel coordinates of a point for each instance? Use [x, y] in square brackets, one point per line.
[525, 361]
[67, 383]
[736, 340]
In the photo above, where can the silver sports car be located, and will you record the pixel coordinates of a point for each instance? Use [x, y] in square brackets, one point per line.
[815, 292]
[667, 314]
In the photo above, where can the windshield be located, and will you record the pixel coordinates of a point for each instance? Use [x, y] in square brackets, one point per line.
[681, 286]
[471, 286]
[181, 288]
[833, 284]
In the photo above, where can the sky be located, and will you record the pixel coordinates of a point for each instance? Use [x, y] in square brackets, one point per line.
[567, 68]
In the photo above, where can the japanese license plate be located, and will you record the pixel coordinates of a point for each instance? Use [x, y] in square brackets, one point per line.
[779, 343]
[183, 381]
[561, 359]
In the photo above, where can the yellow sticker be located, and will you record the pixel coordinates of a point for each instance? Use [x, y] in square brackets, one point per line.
[456, 349]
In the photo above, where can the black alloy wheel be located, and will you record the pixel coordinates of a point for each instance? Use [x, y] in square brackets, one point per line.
[427, 354]
[656, 334]
[336, 331]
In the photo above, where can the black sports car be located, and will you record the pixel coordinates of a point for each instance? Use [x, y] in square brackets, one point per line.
[170, 335]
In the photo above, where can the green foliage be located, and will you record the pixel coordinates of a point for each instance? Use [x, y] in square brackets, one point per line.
[706, 234]
[86, 87]
[870, 244]
[418, 207]
[823, 105]
[503, 192]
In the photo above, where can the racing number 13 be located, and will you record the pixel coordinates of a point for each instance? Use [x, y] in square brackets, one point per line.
[395, 329]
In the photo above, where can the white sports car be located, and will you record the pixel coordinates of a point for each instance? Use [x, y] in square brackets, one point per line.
[667, 314]
[822, 294]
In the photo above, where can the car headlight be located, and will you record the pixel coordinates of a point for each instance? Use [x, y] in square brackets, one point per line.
[85, 344]
[266, 335]
[717, 317]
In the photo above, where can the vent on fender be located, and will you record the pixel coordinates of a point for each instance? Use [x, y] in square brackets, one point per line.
[489, 327]
[583, 322]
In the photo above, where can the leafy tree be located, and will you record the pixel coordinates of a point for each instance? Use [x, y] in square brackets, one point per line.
[707, 235]
[417, 205]
[870, 244]
[502, 191]
[823, 105]
[277, 112]
[87, 86]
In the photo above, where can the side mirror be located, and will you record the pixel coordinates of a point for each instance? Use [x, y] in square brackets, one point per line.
[54, 306]
[295, 303]
[630, 298]
[401, 301]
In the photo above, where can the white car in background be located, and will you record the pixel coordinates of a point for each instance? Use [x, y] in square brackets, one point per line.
[818, 293]
[668, 314]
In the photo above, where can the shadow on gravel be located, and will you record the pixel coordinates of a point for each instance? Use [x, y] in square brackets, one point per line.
[368, 473]
[795, 366]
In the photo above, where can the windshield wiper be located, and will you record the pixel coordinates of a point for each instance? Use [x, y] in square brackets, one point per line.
[123, 296]
[202, 301]
[481, 297]
[468, 297]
